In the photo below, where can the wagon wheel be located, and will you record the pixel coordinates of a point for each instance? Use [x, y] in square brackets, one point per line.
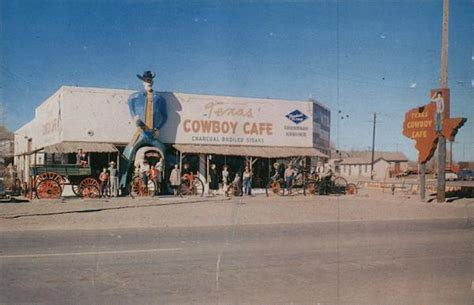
[48, 189]
[351, 189]
[51, 176]
[339, 185]
[197, 187]
[298, 187]
[90, 191]
[312, 187]
[193, 188]
[231, 190]
[275, 187]
[76, 190]
[139, 189]
[89, 188]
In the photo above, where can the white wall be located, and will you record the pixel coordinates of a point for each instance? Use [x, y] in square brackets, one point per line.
[358, 170]
[381, 169]
[352, 170]
[96, 115]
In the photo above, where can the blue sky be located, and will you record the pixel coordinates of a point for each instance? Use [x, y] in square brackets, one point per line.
[388, 54]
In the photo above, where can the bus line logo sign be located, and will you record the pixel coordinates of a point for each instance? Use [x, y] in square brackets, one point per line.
[296, 116]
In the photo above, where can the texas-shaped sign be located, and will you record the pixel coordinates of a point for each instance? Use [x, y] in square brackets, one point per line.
[419, 125]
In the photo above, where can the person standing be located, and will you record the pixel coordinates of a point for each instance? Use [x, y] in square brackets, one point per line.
[247, 180]
[175, 179]
[159, 168]
[237, 183]
[213, 180]
[289, 174]
[113, 179]
[78, 156]
[144, 171]
[276, 172]
[225, 178]
[187, 174]
[104, 179]
[438, 99]
[153, 174]
[81, 158]
[326, 180]
[319, 168]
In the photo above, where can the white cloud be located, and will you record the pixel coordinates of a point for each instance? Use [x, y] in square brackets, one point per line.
[413, 85]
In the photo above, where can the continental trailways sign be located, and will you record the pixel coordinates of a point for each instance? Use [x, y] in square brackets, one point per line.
[419, 125]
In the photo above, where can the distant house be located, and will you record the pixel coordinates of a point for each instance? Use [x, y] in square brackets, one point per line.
[466, 165]
[386, 164]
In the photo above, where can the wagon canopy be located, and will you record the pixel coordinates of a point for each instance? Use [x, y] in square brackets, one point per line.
[251, 151]
[72, 147]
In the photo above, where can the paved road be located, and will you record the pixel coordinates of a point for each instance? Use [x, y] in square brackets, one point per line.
[394, 262]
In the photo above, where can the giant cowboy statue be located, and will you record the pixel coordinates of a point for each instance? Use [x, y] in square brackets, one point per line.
[148, 110]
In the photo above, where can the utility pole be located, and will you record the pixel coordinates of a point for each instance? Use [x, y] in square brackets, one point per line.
[441, 194]
[451, 155]
[373, 148]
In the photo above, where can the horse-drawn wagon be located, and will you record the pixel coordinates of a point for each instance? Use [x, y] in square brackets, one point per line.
[49, 181]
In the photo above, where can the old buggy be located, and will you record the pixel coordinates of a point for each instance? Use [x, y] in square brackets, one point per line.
[48, 181]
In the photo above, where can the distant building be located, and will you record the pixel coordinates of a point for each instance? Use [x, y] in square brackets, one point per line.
[321, 127]
[6, 145]
[386, 164]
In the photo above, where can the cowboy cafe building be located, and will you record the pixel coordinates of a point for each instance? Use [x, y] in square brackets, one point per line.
[200, 129]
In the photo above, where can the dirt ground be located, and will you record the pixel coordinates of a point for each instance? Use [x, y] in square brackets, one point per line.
[125, 212]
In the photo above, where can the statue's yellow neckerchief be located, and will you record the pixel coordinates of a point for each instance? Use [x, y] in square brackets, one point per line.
[149, 109]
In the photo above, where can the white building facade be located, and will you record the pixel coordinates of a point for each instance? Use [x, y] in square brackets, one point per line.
[97, 117]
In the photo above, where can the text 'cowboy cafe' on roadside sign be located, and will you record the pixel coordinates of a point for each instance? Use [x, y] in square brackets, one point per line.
[425, 123]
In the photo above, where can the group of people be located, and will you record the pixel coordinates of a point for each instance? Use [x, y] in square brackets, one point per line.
[150, 172]
[288, 173]
[109, 180]
[240, 182]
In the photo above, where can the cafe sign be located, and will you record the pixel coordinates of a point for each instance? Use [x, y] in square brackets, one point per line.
[223, 120]
[419, 125]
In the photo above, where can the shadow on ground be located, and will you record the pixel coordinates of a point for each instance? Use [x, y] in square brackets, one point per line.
[453, 196]
[99, 209]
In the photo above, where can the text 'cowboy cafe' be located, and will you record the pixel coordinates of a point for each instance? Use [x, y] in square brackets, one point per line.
[196, 128]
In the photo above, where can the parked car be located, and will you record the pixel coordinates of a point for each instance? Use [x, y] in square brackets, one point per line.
[466, 174]
[449, 176]
[407, 172]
